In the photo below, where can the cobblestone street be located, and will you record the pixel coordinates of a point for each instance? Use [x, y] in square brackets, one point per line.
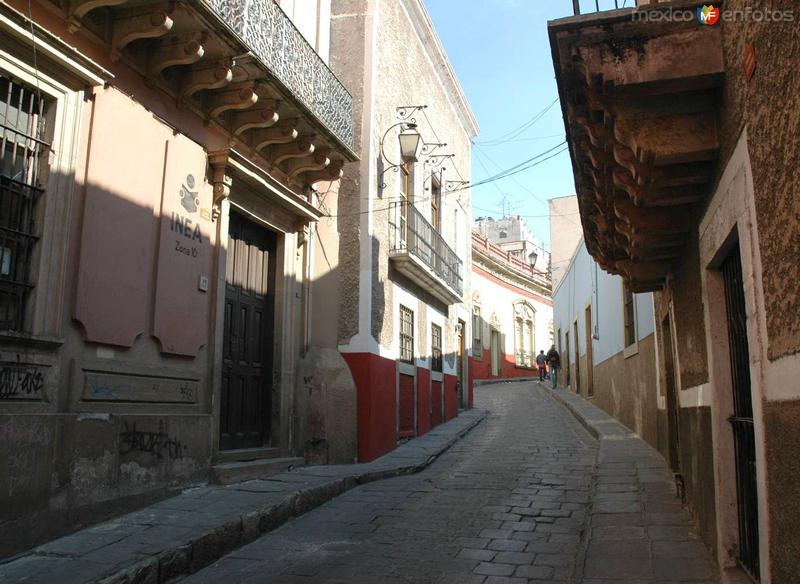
[512, 502]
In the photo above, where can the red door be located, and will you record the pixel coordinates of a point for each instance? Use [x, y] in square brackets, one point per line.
[436, 401]
[406, 406]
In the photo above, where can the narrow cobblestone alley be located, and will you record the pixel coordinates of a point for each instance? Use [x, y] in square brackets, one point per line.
[509, 503]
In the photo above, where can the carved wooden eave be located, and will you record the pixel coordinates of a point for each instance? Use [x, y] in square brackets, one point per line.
[242, 67]
[639, 102]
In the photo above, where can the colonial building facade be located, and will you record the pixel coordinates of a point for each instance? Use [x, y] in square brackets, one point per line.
[159, 166]
[685, 170]
[393, 258]
[512, 310]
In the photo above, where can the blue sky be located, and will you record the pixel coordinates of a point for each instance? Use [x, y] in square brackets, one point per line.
[501, 53]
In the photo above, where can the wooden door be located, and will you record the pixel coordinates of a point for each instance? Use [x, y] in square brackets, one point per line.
[406, 427]
[437, 413]
[673, 420]
[589, 352]
[496, 356]
[460, 364]
[577, 357]
[246, 405]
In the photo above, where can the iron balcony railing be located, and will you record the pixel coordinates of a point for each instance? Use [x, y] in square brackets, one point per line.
[416, 236]
[276, 42]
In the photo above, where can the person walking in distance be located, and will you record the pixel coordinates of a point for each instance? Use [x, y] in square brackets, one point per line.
[554, 362]
[541, 362]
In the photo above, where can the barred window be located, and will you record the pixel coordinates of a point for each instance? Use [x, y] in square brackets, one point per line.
[406, 334]
[23, 157]
[436, 347]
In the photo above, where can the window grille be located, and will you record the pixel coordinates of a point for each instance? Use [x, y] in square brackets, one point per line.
[436, 347]
[23, 154]
[406, 334]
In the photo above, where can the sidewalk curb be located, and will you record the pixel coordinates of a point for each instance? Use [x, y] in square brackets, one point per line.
[74, 557]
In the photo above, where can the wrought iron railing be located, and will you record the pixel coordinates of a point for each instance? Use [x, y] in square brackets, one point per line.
[22, 153]
[276, 42]
[416, 236]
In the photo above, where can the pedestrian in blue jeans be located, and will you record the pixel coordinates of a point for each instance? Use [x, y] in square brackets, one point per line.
[554, 362]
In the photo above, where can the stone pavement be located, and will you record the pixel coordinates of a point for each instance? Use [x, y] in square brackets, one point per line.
[638, 531]
[182, 534]
[528, 496]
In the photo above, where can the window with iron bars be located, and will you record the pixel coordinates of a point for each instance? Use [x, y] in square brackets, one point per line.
[23, 158]
[406, 334]
[436, 347]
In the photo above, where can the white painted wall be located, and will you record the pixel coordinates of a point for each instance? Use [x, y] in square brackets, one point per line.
[313, 19]
[498, 300]
[585, 282]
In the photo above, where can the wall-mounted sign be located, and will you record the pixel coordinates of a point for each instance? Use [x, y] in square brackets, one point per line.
[185, 251]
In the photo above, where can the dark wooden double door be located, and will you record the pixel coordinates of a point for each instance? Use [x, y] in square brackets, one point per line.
[248, 336]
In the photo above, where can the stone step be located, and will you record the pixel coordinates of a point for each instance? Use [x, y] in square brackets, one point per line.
[229, 473]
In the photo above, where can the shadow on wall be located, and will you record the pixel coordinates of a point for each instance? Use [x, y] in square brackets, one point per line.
[117, 412]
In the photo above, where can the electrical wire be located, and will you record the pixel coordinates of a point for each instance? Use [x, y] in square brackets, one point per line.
[508, 136]
[530, 163]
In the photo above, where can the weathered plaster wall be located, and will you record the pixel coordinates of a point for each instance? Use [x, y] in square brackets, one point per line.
[782, 420]
[683, 295]
[626, 389]
[774, 151]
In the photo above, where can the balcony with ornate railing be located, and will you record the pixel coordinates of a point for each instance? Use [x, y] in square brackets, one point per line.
[241, 65]
[276, 42]
[420, 252]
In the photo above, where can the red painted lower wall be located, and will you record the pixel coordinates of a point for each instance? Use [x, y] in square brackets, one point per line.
[376, 384]
[423, 401]
[508, 368]
[450, 397]
[375, 378]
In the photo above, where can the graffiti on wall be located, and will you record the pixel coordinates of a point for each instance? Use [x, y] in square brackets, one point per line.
[159, 444]
[20, 380]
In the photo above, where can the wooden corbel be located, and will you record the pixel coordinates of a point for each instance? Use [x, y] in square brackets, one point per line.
[176, 50]
[206, 76]
[143, 26]
[283, 132]
[333, 171]
[236, 97]
[80, 8]
[218, 160]
[264, 117]
[317, 161]
[283, 152]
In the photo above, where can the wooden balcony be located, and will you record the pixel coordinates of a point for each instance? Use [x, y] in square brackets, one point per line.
[639, 105]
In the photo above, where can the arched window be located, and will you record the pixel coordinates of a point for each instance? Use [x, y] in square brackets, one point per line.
[524, 333]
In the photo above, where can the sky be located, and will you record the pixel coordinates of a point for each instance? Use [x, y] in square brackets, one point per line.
[501, 54]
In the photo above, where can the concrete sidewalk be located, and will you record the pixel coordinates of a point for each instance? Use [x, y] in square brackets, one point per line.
[180, 535]
[638, 530]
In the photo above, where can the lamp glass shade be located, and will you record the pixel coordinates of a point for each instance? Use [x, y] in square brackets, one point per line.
[410, 144]
[532, 257]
